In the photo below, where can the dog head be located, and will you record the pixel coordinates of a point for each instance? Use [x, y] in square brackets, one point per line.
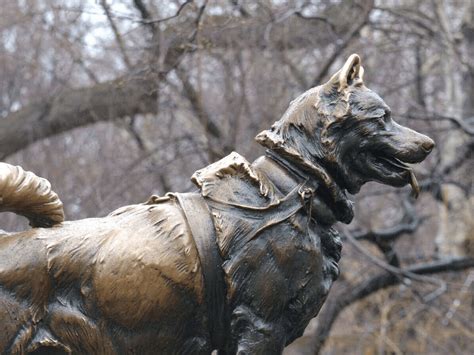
[347, 131]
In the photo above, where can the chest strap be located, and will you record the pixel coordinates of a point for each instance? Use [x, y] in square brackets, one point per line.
[202, 228]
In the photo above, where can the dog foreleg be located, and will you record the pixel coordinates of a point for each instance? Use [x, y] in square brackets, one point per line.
[253, 335]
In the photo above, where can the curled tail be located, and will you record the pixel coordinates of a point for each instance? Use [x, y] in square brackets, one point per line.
[26, 194]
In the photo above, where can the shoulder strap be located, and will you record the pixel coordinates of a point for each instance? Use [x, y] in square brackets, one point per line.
[202, 228]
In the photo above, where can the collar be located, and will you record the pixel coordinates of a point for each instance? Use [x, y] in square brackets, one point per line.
[330, 201]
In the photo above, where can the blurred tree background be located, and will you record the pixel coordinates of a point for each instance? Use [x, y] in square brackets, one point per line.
[115, 100]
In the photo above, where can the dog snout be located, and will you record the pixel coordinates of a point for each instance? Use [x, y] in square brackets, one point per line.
[409, 145]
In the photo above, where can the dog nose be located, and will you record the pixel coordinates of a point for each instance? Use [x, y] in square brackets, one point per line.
[428, 145]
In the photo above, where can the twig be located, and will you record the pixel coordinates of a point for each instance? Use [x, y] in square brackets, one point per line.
[457, 302]
[396, 271]
[148, 20]
[318, 18]
[116, 32]
[408, 224]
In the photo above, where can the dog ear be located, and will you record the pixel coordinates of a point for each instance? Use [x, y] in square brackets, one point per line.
[350, 74]
[350, 71]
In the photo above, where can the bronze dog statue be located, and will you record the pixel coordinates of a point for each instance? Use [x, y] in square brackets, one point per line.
[240, 266]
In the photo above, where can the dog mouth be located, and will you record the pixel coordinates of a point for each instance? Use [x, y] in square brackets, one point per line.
[397, 163]
[392, 171]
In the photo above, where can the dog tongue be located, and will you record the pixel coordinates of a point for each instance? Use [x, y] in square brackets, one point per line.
[415, 188]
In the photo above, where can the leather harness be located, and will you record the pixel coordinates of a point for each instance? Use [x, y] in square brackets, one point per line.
[200, 223]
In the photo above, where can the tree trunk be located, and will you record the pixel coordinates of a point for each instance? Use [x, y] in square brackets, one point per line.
[456, 227]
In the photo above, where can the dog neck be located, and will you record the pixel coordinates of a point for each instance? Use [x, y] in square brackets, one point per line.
[285, 176]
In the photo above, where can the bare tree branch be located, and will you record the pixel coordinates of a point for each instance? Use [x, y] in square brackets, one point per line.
[136, 92]
[432, 116]
[407, 225]
[132, 94]
[116, 32]
[395, 270]
[385, 238]
[381, 281]
[345, 41]
[196, 104]
[148, 20]
[317, 18]
[77, 107]
[145, 14]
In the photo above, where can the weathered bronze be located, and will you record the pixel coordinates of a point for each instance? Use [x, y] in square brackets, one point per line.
[241, 266]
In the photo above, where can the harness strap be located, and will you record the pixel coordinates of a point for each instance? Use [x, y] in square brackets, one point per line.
[202, 228]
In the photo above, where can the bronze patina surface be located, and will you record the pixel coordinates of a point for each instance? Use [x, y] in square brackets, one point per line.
[241, 265]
